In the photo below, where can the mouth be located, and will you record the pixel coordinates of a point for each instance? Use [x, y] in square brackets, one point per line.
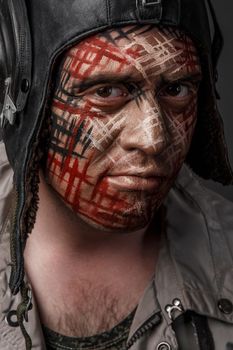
[128, 182]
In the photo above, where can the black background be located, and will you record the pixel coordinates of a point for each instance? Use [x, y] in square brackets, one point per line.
[224, 11]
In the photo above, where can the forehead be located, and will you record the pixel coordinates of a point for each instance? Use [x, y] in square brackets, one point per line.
[134, 50]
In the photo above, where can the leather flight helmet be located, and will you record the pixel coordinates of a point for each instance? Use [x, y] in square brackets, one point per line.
[33, 34]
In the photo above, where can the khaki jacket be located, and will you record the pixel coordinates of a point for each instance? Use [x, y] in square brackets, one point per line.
[195, 266]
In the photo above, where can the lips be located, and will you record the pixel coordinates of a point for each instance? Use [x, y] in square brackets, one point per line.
[139, 172]
[128, 182]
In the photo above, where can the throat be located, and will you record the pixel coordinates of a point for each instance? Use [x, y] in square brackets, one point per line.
[86, 294]
[88, 310]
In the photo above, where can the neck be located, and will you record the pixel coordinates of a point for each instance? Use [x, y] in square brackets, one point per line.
[85, 265]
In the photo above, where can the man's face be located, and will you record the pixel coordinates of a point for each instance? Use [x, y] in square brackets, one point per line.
[123, 116]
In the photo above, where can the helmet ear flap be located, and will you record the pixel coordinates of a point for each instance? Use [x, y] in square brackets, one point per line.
[216, 45]
[217, 42]
[15, 59]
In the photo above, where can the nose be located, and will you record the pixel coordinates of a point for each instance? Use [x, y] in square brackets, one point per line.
[145, 129]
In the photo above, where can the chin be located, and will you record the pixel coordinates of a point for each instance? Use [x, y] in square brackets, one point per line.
[125, 223]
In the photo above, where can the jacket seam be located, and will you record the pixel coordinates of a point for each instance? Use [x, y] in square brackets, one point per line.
[3, 162]
[176, 279]
[227, 247]
[182, 189]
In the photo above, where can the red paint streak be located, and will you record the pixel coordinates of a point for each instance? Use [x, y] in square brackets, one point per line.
[134, 53]
[110, 219]
[89, 54]
[82, 112]
[53, 162]
[82, 178]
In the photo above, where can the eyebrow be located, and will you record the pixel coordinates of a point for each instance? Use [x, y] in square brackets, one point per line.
[182, 76]
[196, 76]
[105, 78]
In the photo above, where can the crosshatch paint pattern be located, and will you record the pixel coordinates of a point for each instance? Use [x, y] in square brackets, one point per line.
[118, 136]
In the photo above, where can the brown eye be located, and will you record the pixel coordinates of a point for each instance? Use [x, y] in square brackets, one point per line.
[173, 90]
[107, 97]
[105, 91]
[177, 90]
[110, 92]
[177, 95]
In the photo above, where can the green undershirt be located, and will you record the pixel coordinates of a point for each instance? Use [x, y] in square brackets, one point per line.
[115, 339]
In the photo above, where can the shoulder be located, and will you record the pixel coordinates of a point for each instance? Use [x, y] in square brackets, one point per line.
[200, 242]
[200, 236]
[200, 233]
[189, 194]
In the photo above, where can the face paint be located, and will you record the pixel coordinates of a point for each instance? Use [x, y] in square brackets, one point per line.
[123, 116]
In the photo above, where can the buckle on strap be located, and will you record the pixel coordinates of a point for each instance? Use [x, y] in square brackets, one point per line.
[150, 11]
[9, 109]
[147, 3]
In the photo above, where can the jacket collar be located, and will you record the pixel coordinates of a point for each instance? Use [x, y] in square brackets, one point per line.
[190, 266]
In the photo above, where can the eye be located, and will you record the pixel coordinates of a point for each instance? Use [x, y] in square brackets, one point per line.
[110, 92]
[178, 95]
[176, 90]
[108, 97]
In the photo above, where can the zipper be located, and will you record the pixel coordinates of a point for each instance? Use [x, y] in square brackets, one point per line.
[173, 310]
[13, 239]
[16, 271]
[16, 249]
[149, 324]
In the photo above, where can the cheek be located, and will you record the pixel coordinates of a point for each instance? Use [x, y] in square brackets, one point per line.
[79, 135]
[69, 134]
[181, 128]
[69, 149]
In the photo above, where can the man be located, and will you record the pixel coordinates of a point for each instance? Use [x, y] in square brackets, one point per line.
[103, 121]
